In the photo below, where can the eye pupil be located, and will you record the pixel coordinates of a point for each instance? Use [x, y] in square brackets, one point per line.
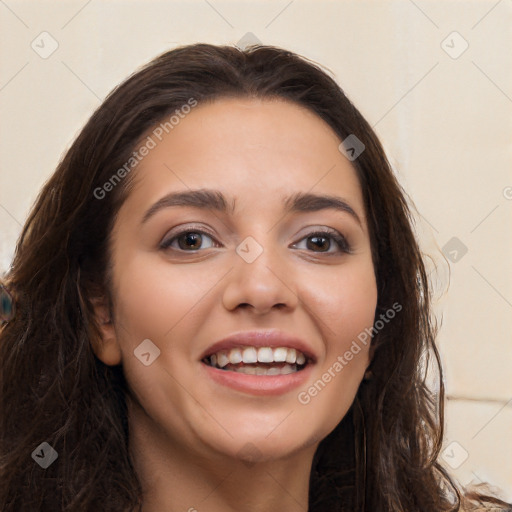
[316, 244]
[191, 238]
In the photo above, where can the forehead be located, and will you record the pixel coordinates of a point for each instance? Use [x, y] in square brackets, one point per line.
[257, 149]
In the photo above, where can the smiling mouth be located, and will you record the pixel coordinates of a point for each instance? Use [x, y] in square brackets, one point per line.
[258, 360]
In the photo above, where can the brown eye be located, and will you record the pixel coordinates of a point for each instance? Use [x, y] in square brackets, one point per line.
[190, 241]
[321, 242]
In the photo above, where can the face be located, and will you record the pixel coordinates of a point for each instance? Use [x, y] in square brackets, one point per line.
[187, 276]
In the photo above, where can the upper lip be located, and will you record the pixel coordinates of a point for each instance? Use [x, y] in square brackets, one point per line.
[272, 339]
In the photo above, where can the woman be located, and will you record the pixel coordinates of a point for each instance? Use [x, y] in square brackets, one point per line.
[219, 304]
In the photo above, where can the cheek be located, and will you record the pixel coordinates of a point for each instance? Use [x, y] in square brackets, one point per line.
[162, 303]
[345, 312]
[345, 304]
[355, 315]
[153, 296]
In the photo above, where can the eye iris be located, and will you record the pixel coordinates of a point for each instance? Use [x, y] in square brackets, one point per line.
[316, 244]
[192, 238]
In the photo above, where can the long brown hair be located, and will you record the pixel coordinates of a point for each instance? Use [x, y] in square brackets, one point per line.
[383, 454]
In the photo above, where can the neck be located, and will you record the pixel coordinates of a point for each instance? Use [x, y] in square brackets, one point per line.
[178, 478]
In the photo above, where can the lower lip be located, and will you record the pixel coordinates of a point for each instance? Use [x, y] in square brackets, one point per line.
[259, 384]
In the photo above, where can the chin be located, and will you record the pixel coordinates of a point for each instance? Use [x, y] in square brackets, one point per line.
[266, 445]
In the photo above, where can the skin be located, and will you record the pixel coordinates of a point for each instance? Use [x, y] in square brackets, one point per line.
[188, 433]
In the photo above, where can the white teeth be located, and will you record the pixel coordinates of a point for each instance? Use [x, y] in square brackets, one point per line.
[235, 356]
[254, 355]
[250, 355]
[286, 369]
[222, 359]
[265, 355]
[280, 354]
[291, 356]
[259, 370]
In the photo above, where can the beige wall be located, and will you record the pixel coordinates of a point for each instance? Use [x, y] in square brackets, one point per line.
[443, 112]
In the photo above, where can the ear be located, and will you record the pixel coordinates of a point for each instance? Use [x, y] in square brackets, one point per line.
[106, 348]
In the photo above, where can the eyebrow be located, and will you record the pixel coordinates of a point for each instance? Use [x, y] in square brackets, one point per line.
[208, 199]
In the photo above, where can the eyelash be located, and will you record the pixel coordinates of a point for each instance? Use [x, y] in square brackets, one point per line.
[328, 233]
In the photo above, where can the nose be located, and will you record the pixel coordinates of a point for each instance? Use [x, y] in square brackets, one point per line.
[261, 285]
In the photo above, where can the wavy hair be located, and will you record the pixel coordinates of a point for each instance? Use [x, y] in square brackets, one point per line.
[382, 456]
